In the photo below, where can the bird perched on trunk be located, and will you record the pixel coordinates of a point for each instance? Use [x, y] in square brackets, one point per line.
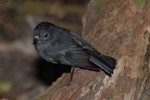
[61, 46]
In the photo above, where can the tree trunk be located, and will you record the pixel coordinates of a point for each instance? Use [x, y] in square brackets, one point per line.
[117, 28]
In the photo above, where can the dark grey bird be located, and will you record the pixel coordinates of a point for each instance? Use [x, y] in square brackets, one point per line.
[61, 46]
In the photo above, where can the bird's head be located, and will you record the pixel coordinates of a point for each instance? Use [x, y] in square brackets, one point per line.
[43, 33]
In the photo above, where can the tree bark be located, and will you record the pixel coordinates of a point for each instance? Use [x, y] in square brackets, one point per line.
[121, 29]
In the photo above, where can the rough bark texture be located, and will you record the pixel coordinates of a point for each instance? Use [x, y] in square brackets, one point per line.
[118, 28]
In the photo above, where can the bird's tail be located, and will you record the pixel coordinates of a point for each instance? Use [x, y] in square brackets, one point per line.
[107, 64]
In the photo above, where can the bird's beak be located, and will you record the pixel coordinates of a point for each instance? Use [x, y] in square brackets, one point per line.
[36, 40]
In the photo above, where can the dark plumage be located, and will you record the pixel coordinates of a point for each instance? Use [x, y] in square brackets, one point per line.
[61, 46]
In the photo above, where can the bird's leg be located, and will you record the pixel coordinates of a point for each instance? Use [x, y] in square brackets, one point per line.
[71, 76]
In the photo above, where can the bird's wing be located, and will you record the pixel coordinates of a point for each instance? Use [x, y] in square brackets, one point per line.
[86, 46]
[77, 56]
[79, 41]
[106, 63]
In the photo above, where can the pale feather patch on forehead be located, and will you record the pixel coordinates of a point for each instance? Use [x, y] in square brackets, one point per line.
[36, 37]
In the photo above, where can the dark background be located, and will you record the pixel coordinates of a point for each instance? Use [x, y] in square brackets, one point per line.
[23, 74]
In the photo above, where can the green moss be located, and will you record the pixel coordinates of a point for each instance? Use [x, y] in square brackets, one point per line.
[99, 4]
[5, 86]
[61, 83]
[110, 53]
[32, 7]
[95, 43]
[140, 2]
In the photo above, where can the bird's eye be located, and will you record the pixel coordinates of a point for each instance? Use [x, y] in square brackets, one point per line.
[46, 35]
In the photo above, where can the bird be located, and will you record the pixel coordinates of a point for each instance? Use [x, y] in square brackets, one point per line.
[59, 45]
